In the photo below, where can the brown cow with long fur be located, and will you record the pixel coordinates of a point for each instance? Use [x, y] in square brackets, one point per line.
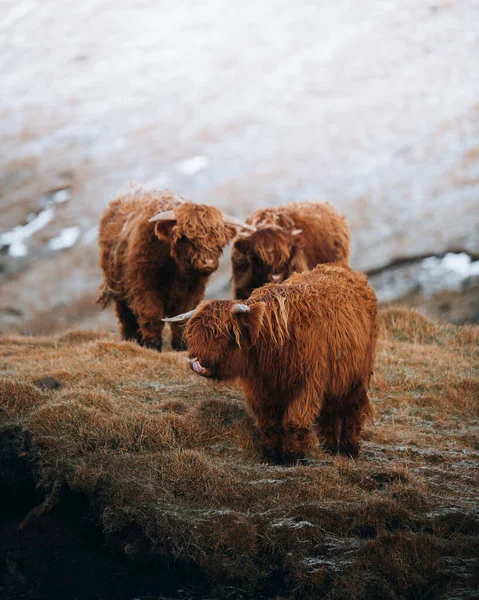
[303, 352]
[157, 251]
[288, 239]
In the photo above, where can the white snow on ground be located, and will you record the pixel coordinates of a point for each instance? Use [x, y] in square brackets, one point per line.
[17, 12]
[447, 273]
[192, 166]
[15, 239]
[90, 236]
[68, 237]
[61, 196]
[431, 276]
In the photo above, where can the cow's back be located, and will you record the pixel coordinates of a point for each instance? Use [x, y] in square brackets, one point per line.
[324, 231]
[331, 326]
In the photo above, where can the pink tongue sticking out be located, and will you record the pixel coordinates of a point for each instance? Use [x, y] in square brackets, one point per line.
[198, 368]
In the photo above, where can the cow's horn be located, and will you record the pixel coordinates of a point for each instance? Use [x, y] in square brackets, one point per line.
[168, 215]
[229, 220]
[180, 318]
[239, 308]
[296, 231]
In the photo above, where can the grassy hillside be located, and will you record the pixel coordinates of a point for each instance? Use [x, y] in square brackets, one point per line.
[170, 465]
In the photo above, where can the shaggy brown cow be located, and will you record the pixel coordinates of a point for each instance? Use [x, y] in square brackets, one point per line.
[157, 251]
[288, 239]
[304, 353]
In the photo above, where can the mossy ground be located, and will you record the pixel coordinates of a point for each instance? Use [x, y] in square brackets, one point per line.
[170, 465]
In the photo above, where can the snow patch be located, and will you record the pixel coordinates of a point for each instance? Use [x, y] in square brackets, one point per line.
[192, 166]
[90, 236]
[430, 276]
[17, 13]
[61, 196]
[15, 239]
[17, 250]
[68, 237]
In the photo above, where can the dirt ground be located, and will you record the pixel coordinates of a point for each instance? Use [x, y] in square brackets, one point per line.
[372, 105]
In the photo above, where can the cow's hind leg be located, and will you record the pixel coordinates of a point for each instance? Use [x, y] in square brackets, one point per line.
[128, 323]
[357, 408]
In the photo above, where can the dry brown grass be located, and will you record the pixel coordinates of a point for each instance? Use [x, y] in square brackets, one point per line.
[170, 460]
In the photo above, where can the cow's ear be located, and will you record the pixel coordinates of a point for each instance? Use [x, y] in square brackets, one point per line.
[163, 229]
[251, 318]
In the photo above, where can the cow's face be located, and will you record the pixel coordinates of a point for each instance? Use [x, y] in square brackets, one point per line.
[220, 334]
[267, 255]
[197, 235]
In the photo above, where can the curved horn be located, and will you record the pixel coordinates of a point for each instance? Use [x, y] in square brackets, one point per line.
[236, 309]
[168, 215]
[180, 318]
[229, 220]
[296, 231]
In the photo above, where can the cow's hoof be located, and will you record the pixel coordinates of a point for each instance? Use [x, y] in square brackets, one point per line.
[349, 450]
[331, 448]
[292, 458]
[272, 456]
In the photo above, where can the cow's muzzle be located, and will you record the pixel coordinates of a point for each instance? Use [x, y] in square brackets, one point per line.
[197, 367]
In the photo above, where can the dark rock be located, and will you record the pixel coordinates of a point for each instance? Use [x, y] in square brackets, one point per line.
[48, 383]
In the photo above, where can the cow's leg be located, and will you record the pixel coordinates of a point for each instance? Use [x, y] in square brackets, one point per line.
[329, 424]
[149, 308]
[297, 421]
[128, 323]
[268, 416]
[357, 408]
[177, 340]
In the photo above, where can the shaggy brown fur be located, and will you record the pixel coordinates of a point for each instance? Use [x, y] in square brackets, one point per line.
[157, 269]
[304, 353]
[288, 239]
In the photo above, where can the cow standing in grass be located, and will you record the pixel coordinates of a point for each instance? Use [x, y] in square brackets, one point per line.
[157, 251]
[303, 352]
[288, 239]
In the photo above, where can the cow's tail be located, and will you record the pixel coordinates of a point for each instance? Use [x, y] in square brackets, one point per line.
[105, 296]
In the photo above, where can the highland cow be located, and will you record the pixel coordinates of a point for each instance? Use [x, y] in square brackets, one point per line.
[288, 239]
[303, 352]
[157, 251]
